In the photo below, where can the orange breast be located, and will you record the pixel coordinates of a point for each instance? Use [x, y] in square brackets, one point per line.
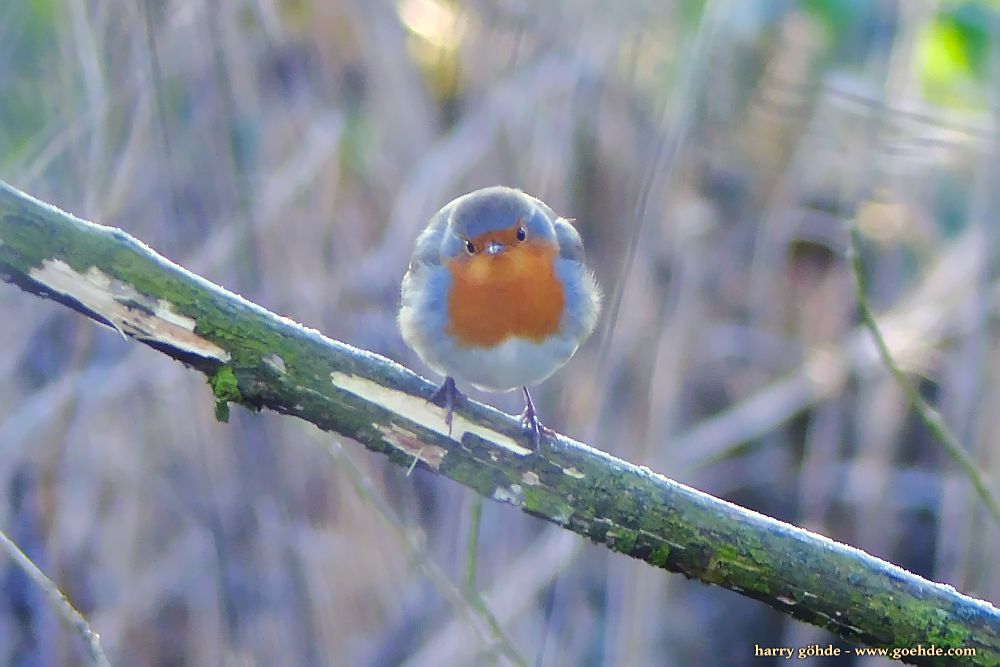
[515, 293]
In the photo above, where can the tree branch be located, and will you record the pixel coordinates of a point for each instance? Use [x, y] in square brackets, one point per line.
[260, 360]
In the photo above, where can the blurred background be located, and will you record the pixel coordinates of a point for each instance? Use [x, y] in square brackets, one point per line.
[291, 150]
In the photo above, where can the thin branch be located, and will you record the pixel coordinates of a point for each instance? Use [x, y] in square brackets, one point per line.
[927, 413]
[58, 600]
[465, 601]
[257, 359]
[472, 548]
[930, 314]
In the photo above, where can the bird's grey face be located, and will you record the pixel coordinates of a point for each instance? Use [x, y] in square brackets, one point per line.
[493, 220]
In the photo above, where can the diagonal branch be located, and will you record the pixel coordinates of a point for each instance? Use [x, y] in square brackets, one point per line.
[931, 417]
[260, 360]
[67, 612]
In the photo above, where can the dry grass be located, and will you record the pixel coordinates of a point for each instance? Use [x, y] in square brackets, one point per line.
[292, 151]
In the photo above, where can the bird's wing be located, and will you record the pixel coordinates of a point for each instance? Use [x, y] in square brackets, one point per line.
[570, 244]
[542, 205]
[428, 246]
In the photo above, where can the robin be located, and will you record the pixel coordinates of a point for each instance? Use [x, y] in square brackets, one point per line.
[497, 295]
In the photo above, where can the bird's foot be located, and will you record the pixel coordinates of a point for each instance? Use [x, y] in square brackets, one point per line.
[448, 397]
[530, 422]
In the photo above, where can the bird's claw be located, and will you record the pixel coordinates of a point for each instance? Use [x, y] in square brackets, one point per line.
[448, 397]
[531, 423]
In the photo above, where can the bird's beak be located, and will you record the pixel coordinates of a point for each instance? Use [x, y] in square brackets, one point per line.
[494, 248]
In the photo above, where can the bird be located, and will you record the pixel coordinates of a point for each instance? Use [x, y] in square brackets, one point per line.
[497, 294]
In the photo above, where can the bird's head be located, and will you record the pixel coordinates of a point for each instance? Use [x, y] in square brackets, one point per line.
[497, 233]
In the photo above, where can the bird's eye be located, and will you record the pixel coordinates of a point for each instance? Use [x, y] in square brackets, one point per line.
[521, 233]
[470, 247]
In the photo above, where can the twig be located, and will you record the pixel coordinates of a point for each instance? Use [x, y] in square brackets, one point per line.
[63, 607]
[472, 549]
[926, 412]
[464, 600]
[929, 312]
